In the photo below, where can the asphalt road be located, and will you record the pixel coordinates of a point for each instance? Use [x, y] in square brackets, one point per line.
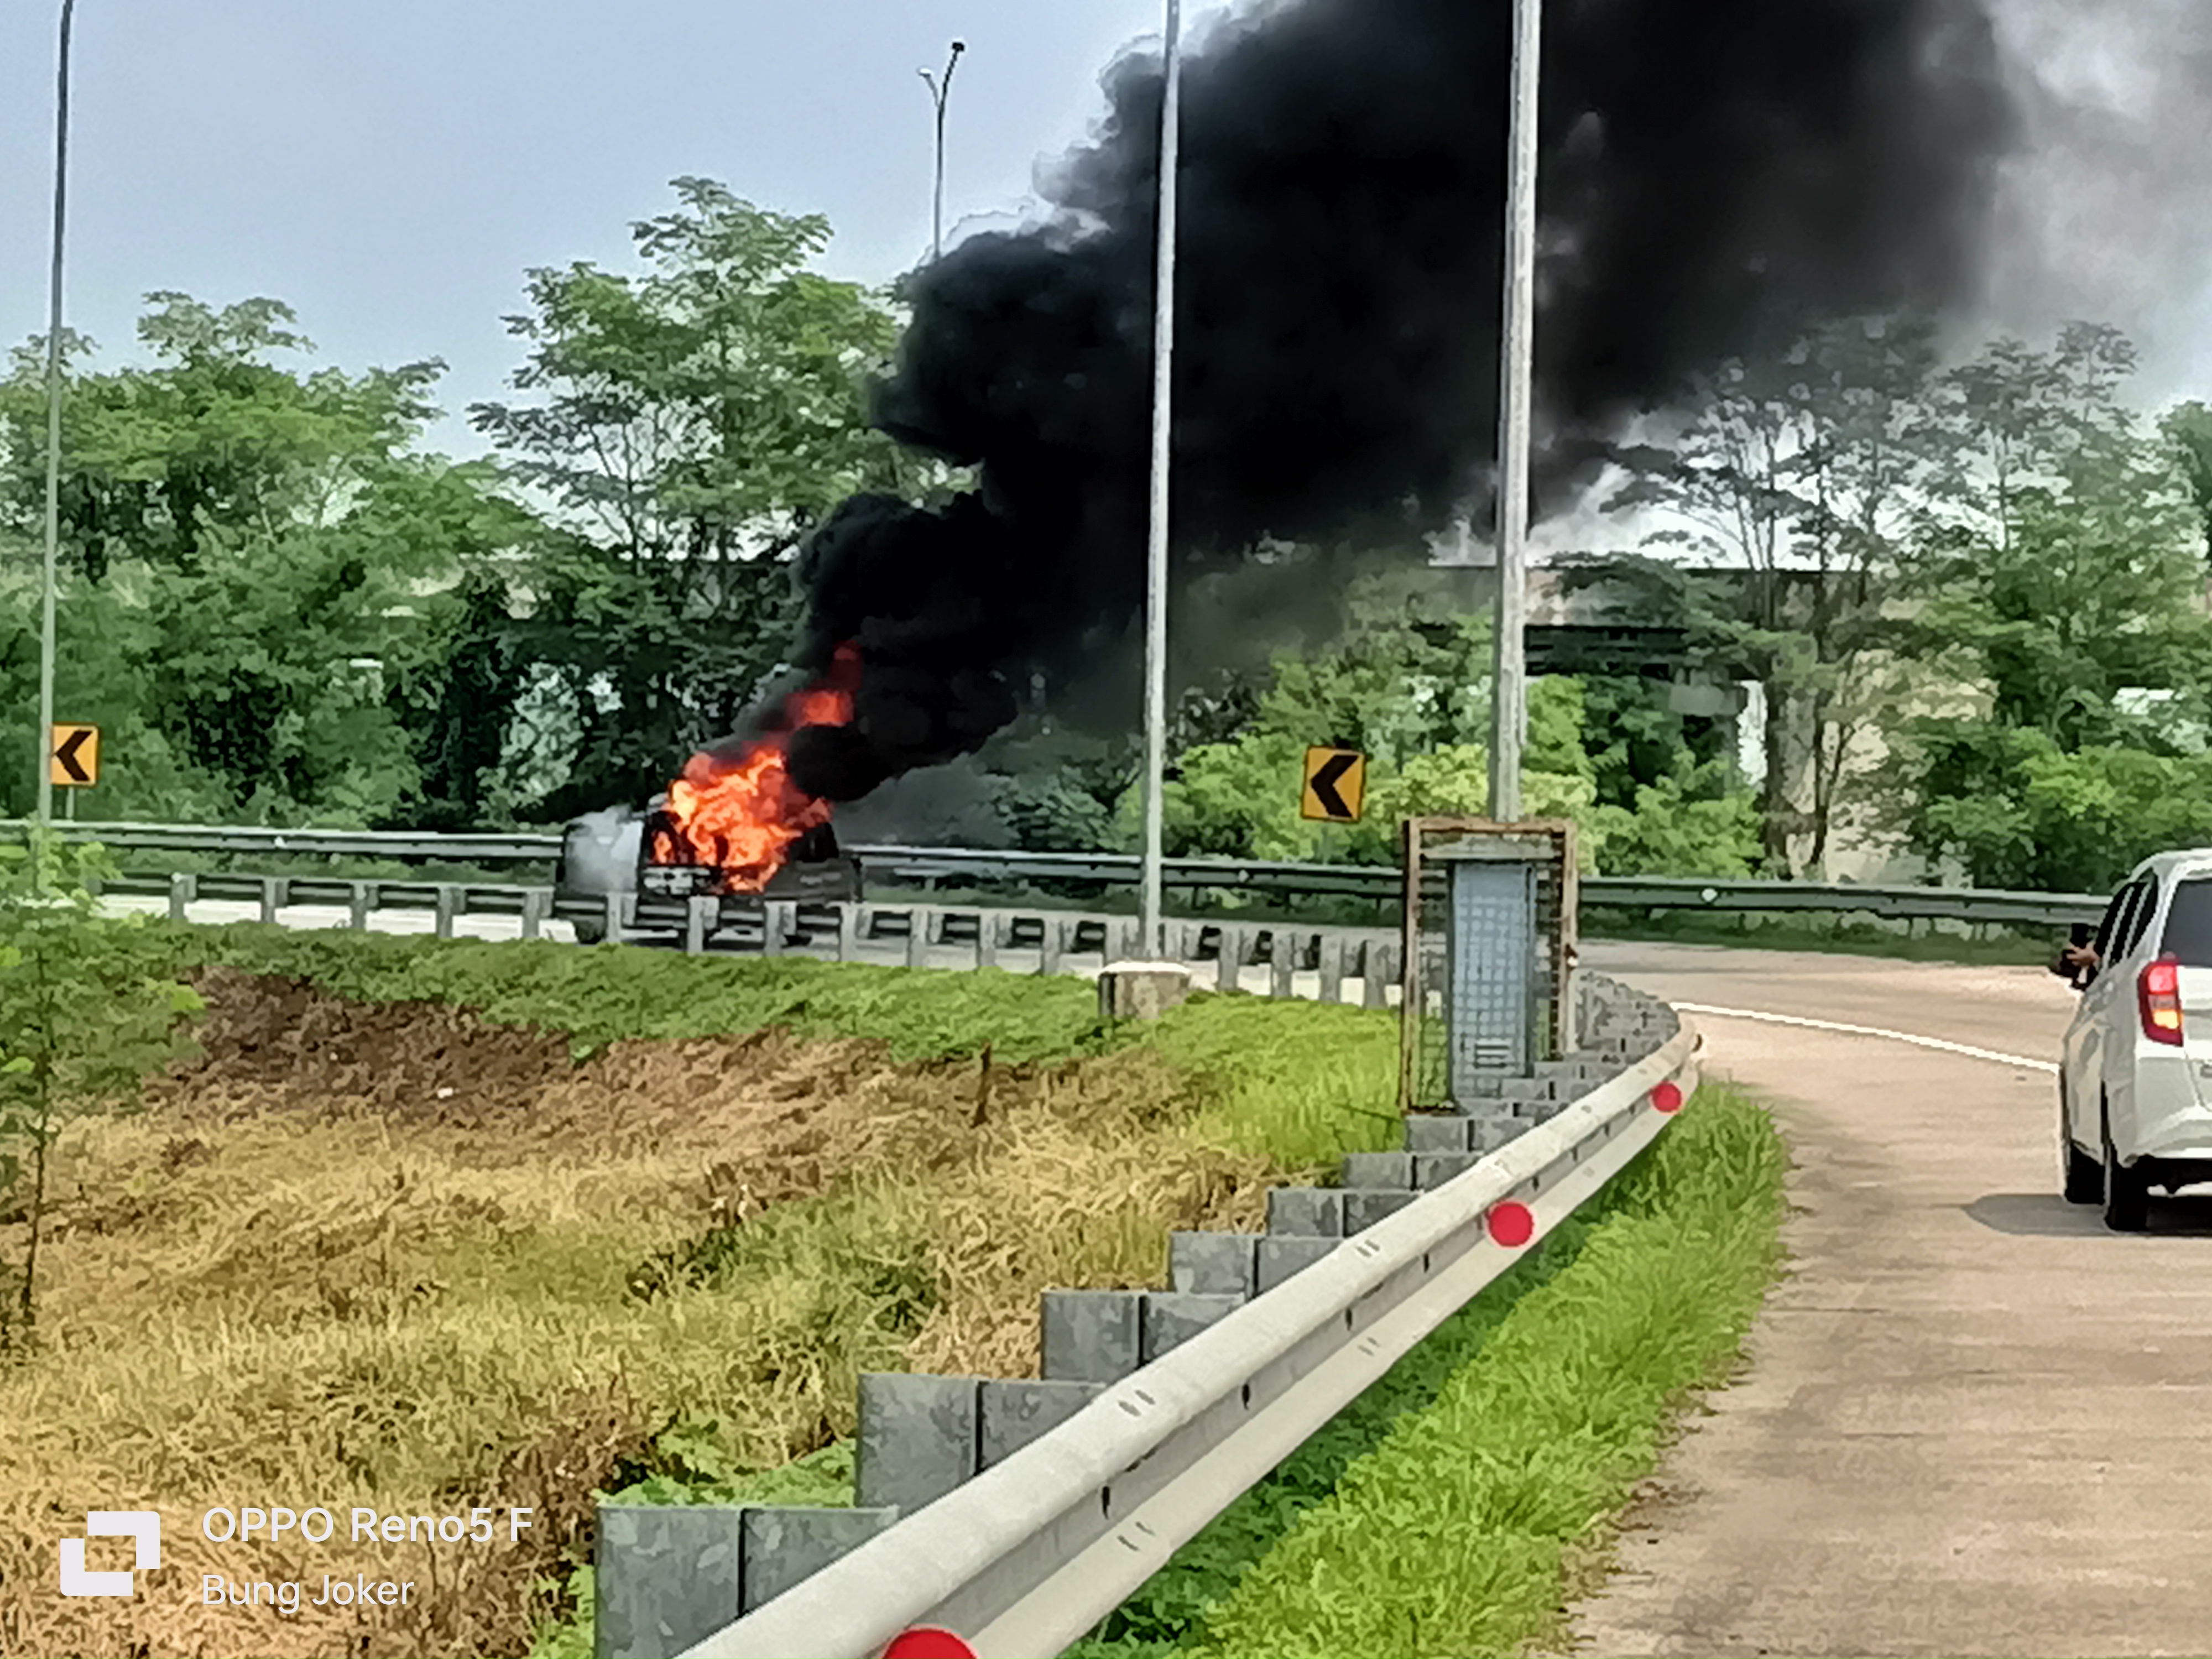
[1972, 1421]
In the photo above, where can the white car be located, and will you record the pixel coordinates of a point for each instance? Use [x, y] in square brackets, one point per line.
[2134, 1083]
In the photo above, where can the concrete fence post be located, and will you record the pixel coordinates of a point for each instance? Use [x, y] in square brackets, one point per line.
[777, 918]
[1229, 964]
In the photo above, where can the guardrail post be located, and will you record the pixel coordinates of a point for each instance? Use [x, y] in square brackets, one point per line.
[360, 899]
[921, 922]
[448, 906]
[1374, 986]
[1228, 966]
[184, 888]
[535, 903]
[777, 919]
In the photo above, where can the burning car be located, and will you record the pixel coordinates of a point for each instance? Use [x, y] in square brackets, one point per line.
[622, 851]
[733, 827]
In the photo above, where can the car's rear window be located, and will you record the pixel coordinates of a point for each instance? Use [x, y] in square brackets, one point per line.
[2189, 924]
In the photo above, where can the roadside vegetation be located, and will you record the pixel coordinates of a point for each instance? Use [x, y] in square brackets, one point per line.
[1460, 1505]
[426, 1225]
[1970, 593]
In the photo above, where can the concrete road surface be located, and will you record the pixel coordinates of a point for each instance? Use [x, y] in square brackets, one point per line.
[1973, 1421]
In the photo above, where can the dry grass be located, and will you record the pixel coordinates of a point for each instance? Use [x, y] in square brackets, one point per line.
[388, 1255]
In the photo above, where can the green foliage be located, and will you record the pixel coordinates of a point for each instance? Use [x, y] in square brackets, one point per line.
[1802, 478]
[254, 560]
[1503, 1441]
[79, 1026]
[1687, 823]
[2020, 811]
[2066, 572]
[690, 423]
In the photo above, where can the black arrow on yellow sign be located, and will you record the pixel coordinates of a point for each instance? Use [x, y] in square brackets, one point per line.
[76, 756]
[1336, 786]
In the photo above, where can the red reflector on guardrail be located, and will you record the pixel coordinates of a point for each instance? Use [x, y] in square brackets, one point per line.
[1667, 1097]
[1512, 1224]
[929, 1643]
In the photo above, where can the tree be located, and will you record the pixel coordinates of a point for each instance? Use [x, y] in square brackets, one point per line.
[686, 427]
[2063, 570]
[1799, 478]
[254, 557]
[80, 1024]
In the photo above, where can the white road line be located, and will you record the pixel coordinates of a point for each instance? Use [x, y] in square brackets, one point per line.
[1874, 1031]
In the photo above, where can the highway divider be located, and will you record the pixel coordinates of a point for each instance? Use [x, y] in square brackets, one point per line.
[979, 868]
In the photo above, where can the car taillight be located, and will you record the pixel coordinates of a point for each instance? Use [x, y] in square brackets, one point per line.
[2158, 989]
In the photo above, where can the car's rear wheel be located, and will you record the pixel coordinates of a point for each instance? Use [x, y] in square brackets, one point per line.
[2085, 1177]
[2127, 1193]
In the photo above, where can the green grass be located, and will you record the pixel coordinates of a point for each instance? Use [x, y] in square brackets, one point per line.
[1445, 1511]
[615, 993]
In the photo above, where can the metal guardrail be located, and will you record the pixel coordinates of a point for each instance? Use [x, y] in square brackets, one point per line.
[985, 868]
[1029, 1554]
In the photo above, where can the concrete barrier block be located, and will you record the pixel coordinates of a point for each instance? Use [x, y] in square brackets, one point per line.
[1435, 1134]
[785, 1547]
[1091, 1336]
[666, 1578]
[1171, 1319]
[1388, 1170]
[1281, 1258]
[1488, 1135]
[1363, 1208]
[916, 1440]
[1306, 1211]
[1141, 990]
[1012, 1414]
[1433, 1169]
[1211, 1264]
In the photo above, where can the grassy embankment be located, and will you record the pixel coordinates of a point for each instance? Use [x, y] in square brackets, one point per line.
[434, 1226]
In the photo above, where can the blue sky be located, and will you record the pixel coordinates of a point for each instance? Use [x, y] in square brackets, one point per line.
[391, 168]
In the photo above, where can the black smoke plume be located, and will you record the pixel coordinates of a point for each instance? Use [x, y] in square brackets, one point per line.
[1715, 174]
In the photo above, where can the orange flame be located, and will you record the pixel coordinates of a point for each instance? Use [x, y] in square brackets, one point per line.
[742, 813]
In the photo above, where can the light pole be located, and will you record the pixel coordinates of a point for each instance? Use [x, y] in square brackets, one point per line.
[939, 91]
[53, 428]
[1509, 683]
[1156, 585]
